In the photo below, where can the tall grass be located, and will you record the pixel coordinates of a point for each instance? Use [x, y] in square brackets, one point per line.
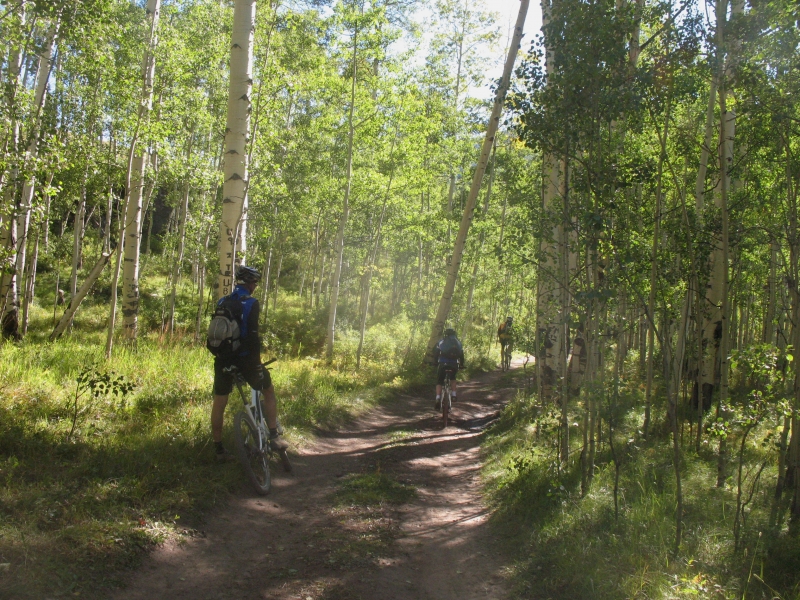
[88, 484]
[568, 546]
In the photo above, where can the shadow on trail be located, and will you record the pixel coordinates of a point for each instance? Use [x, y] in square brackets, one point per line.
[298, 543]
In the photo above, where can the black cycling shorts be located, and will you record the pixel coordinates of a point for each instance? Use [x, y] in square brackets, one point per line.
[445, 368]
[255, 374]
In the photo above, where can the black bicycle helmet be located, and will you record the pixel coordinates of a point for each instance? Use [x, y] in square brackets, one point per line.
[245, 274]
[510, 319]
[449, 331]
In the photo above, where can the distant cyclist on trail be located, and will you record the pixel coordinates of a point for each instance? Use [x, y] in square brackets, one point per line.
[449, 355]
[505, 336]
[247, 359]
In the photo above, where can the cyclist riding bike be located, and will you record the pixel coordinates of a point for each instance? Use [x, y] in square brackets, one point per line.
[248, 361]
[449, 355]
[505, 336]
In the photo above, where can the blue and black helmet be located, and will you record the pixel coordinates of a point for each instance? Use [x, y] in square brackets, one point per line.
[245, 274]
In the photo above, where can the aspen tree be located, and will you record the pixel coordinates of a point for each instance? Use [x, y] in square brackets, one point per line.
[9, 303]
[130, 216]
[720, 256]
[466, 219]
[550, 346]
[183, 216]
[372, 256]
[339, 243]
[25, 207]
[237, 132]
[133, 214]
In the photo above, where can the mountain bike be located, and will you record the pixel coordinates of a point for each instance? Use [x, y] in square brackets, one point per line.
[251, 436]
[446, 397]
[505, 356]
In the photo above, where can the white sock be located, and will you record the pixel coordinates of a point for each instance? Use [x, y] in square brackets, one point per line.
[453, 393]
[438, 396]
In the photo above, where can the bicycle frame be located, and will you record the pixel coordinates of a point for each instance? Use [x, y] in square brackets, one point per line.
[253, 412]
[446, 398]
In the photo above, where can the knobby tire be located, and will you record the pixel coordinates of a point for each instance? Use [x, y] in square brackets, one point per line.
[254, 460]
[445, 406]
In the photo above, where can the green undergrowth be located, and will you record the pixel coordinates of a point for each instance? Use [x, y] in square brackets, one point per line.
[571, 546]
[93, 473]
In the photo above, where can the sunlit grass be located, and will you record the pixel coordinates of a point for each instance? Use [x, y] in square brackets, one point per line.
[570, 546]
[87, 486]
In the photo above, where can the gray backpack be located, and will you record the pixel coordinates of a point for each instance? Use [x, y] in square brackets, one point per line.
[224, 332]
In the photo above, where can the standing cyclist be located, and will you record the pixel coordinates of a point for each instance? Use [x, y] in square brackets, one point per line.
[248, 361]
[449, 355]
[505, 335]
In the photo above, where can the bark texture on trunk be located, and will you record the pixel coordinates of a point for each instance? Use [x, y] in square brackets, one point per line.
[237, 132]
[133, 215]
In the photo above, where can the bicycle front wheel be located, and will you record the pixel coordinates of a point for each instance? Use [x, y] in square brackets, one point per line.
[254, 459]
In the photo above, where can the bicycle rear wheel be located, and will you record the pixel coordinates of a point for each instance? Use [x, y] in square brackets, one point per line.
[445, 406]
[255, 460]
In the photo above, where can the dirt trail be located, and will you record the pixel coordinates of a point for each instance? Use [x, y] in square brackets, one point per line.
[295, 544]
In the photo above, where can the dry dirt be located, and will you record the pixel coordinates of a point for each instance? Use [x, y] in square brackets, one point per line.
[298, 543]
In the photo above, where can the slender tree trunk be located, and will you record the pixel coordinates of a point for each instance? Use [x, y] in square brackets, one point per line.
[133, 215]
[768, 333]
[473, 280]
[372, 256]
[339, 245]
[266, 278]
[9, 303]
[201, 285]
[25, 208]
[466, 218]
[30, 281]
[183, 216]
[549, 339]
[314, 257]
[727, 135]
[277, 280]
[654, 270]
[43, 70]
[77, 237]
[793, 283]
[75, 302]
[236, 177]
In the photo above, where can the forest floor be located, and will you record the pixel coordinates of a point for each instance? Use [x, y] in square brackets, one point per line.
[387, 507]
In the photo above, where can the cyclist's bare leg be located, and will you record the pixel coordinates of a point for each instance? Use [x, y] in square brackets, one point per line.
[217, 414]
[453, 387]
[270, 404]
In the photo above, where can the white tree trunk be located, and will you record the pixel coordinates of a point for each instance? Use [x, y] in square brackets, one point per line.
[176, 267]
[133, 215]
[466, 218]
[339, 244]
[28, 187]
[234, 187]
[80, 295]
[550, 342]
[77, 238]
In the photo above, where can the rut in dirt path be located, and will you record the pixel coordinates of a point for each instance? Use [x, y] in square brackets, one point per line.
[296, 543]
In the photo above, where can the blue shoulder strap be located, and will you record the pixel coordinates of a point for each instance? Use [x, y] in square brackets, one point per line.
[247, 305]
